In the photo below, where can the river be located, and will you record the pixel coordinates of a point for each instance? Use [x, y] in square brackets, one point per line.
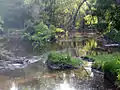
[21, 68]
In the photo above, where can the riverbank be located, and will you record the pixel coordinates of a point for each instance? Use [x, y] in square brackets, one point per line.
[109, 64]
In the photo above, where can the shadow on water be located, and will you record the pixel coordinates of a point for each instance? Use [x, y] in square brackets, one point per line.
[23, 69]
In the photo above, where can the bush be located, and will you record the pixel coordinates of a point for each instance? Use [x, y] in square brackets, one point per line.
[64, 59]
[40, 34]
[105, 59]
[108, 63]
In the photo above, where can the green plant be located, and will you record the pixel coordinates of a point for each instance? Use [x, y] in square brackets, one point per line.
[59, 30]
[40, 34]
[112, 17]
[108, 63]
[92, 43]
[63, 58]
[118, 72]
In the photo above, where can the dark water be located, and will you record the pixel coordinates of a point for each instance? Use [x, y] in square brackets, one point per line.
[33, 73]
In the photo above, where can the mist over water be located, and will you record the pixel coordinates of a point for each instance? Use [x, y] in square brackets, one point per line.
[23, 67]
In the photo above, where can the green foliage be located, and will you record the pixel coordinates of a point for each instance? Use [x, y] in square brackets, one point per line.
[118, 74]
[105, 58]
[90, 44]
[40, 34]
[112, 66]
[60, 13]
[59, 30]
[91, 19]
[64, 58]
[113, 19]
[108, 63]
[114, 35]
[100, 9]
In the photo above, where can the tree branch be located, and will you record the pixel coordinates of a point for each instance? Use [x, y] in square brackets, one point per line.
[75, 15]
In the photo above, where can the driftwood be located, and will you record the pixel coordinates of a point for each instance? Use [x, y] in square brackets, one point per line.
[112, 45]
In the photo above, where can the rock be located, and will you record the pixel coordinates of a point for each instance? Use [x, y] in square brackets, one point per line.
[18, 62]
[111, 77]
[87, 59]
[97, 68]
[97, 71]
[59, 66]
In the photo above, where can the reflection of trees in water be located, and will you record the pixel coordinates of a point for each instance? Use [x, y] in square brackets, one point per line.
[62, 79]
[75, 80]
[80, 47]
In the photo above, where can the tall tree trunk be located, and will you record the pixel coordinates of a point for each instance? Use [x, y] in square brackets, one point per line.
[75, 15]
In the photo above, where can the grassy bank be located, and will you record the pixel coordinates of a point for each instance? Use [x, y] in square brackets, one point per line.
[108, 63]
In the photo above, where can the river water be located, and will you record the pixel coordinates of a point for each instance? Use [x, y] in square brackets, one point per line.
[21, 68]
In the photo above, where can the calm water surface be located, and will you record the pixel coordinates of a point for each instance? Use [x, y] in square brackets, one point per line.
[36, 76]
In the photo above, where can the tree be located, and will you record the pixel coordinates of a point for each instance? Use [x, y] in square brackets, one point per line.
[74, 17]
[61, 13]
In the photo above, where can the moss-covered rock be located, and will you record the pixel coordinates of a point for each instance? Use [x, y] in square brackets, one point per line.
[62, 61]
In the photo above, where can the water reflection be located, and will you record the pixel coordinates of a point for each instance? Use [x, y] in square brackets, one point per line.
[80, 47]
[89, 69]
[65, 85]
[53, 80]
[37, 77]
[14, 87]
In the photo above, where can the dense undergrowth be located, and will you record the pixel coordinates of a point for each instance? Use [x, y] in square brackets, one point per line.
[108, 63]
[63, 58]
[114, 24]
[114, 35]
[40, 34]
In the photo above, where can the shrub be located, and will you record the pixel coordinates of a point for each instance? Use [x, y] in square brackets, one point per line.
[40, 34]
[108, 63]
[63, 58]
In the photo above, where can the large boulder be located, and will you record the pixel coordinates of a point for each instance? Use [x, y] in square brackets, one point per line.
[59, 66]
[57, 61]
